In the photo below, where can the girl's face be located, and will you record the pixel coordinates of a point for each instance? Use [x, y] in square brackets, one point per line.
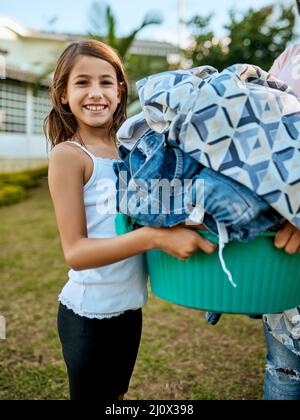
[92, 92]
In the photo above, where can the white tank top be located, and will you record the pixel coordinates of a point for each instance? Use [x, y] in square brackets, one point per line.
[111, 290]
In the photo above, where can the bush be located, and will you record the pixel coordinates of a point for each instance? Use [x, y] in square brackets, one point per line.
[37, 173]
[13, 186]
[11, 194]
[19, 178]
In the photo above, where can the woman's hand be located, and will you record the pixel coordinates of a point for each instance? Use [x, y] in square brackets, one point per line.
[289, 239]
[181, 242]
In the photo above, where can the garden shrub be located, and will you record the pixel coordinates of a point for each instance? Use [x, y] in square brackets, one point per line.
[11, 194]
[13, 186]
[37, 173]
[19, 178]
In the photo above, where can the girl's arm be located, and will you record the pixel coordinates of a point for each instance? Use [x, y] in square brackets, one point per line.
[66, 184]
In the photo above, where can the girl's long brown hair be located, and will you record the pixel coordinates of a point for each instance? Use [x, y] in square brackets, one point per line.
[60, 124]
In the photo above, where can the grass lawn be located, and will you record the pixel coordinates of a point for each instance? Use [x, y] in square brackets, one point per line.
[181, 356]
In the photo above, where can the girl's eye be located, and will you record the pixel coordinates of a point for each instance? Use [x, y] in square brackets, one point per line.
[107, 82]
[81, 82]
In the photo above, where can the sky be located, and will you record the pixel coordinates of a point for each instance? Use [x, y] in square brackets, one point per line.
[72, 15]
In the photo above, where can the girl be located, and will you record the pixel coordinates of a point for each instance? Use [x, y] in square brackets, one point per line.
[100, 318]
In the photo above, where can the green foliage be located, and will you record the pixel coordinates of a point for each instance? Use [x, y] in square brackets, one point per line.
[257, 38]
[13, 186]
[19, 178]
[36, 173]
[11, 194]
[103, 27]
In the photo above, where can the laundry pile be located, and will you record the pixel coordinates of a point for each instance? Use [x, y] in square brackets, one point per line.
[219, 149]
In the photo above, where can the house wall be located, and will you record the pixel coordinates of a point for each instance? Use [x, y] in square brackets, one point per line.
[22, 146]
[22, 141]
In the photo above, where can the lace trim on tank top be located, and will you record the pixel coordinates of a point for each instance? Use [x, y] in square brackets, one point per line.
[90, 315]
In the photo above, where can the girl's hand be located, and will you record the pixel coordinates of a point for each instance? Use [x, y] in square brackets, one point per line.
[288, 238]
[181, 242]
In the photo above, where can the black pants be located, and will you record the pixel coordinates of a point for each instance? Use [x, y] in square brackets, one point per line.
[100, 354]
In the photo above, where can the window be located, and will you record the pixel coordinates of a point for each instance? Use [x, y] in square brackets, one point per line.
[12, 106]
[41, 107]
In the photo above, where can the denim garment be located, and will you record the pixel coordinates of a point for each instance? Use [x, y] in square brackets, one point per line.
[282, 375]
[139, 188]
[239, 210]
[213, 317]
[242, 212]
[242, 123]
[285, 327]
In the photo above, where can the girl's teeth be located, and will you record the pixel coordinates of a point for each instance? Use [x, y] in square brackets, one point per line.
[95, 108]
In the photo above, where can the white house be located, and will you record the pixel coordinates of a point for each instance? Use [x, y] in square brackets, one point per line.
[25, 55]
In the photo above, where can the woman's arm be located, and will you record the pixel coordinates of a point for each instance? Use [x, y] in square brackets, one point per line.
[287, 238]
[66, 184]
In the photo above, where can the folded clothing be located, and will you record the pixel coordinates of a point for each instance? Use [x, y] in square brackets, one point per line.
[242, 123]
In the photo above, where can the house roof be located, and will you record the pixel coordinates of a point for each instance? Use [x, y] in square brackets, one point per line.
[25, 76]
[139, 46]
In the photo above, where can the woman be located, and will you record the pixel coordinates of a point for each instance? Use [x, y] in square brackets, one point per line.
[282, 331]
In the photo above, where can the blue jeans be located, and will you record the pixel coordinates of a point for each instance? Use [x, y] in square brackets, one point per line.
[282, 375]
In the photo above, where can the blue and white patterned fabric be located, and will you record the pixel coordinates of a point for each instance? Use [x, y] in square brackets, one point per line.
[242, 122]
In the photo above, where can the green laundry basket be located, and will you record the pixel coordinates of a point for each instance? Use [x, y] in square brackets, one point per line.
[268, 279]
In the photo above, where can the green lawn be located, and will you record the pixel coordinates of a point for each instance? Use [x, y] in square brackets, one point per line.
[181, 356]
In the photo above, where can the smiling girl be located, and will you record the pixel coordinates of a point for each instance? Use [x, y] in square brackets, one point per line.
[100, 317]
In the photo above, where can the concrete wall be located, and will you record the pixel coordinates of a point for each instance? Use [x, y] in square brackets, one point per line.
[18, 152]
[22, 146]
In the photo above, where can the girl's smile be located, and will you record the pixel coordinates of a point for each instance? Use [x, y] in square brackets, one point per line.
[95, 108]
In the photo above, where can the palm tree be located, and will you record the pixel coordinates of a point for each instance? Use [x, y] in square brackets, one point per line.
[104, 18]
